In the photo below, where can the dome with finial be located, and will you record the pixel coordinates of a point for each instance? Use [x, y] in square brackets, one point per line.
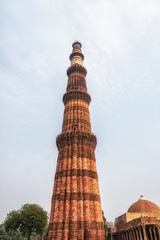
[144, 206]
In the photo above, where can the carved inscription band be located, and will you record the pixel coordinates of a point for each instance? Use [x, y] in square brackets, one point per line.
[77, 196]
[78, 235]
[76, 173]
[76, 225]
[76, 68]
[68, 138]
[76, 95]
[88, 155]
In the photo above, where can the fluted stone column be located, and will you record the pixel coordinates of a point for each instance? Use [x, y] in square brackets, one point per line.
[127, 235]
[144, 232]
[154, 233]
[150, 233]
[119, 236]
[140, 232]
[131, 235]
[134, 234]
[136, 231]
[122, 234]
[76, 207]
[158, 231]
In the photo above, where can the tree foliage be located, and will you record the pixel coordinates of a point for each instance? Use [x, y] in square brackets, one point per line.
[4, 237]
[30, 219]
[12, 221]
[105, 223]
[10, 235]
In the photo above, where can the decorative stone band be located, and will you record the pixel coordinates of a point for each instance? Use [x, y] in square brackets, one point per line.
[89, 154]
[76, 54]
[77, 173]
[76, 68]
[69, 138]
[76, 234]
[72, 225]
[76, 95]
[79, 196]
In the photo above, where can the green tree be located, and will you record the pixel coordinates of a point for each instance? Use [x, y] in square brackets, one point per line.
[11, 235]
[5, 237]
[30, 219]
[2, 230]
[12, 221]
[105, 223]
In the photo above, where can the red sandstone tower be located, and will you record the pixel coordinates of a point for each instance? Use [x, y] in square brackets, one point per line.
[76, 208]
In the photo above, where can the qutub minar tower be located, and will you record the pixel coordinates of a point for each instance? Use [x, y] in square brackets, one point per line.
[76, 207]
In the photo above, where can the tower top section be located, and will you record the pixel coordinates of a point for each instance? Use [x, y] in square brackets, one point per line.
[76, 56]
[76, 43]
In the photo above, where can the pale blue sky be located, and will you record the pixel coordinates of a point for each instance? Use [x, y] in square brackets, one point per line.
[121, 44]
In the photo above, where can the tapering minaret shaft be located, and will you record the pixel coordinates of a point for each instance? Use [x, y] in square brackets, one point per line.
[76, 208]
